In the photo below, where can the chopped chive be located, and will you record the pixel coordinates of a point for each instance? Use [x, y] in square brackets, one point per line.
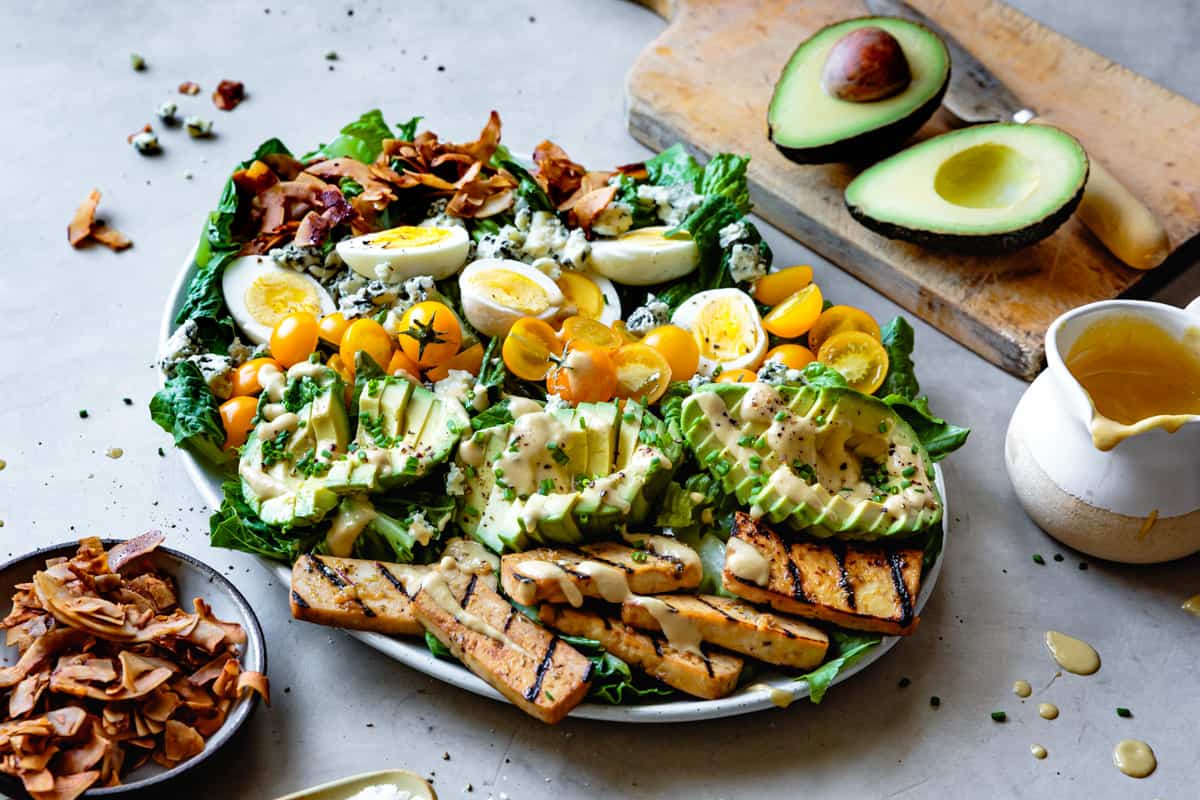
[1124, 712]
[935, 701]
[549, 696]
[161, 453]
[629, 416]
[820, 419]
[83, 413]
[908, 472]
[904, 484]
[999, 716]
[1037, 559]
[1058, 556]
[551, 445]
[883, 427]
[755, 463]
[780, 415]
[499, 472]
[745, 441]
[638, 556]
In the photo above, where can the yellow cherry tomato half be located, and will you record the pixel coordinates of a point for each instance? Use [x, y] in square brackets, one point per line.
[336, 364]
[794, 316]
[859, 357]
[366, 336]
[775, 287]
[678, 347]
[245, 377]
[792, 356]
[643, 373]
[839, 319]
[586, 374]
[583, 329]
[402, 363]
[332, 327]
[294, 338]
[430, 333]
[237, 414]
[529, 349]
[737, 376]
[621, 330]
[469, 360]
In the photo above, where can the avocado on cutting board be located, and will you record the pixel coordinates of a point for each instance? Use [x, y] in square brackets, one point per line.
[708, 80]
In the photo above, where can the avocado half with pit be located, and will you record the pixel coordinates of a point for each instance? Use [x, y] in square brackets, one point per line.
[987, 189]
[857, 88]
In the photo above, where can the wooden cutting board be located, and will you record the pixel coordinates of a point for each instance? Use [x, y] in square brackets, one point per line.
[707, 79]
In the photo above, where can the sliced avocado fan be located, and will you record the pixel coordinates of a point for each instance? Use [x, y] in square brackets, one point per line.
[832, 461]
[986, 189]
[810, 125]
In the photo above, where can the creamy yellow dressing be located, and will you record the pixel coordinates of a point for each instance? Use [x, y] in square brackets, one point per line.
[1037, 751]
[782, 698]
[1073, 655]
[435, 586]
[610, 582]
[1192, 605]
[1048, 711]
[348, 524]
[548, 570]
[1134, 758]
[1022, 689]
[681, 633]
[744, 560]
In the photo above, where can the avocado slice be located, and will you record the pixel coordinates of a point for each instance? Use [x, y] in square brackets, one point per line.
[986, 189]
[830, 460]
[810, 125]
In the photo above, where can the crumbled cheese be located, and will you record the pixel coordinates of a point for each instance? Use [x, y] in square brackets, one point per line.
[184, 342]
[698, 380]
[197, 127]
[420, 528]
[733, 232]
[548, 267]
[673, 203]
[414, 290]
[239, 352]
[436, 216]
[217, 372]
[505, 243]
[479, 397]
[456, 481]
[145, 143]
[648, 316]
[746, 264]
[457, 385]
[546, 235]
[166, 111]
[382, 791]
[297, 257]
[615, 219]
[523, 215]
[574, 253]
[775, 372]
[555, 403]
[542, 237]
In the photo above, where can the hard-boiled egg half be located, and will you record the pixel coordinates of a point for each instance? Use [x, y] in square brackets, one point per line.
[259, 293]
[589, 295]
[727, 329]
[400, 253]
[644, 256]
[496, 292]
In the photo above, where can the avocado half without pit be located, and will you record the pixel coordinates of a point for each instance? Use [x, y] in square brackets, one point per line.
[985, 189]
[857, 89]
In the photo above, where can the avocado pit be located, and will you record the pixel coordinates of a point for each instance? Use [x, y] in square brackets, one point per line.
[866, 65]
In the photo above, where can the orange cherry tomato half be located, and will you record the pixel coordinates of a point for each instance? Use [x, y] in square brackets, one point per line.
[332, 327]
[530, 348]
[678, 347]
[859, 357]
[237, 417]
[336, 364]
[402, 363]
[586, 374]
[429, 333]
[469, 360]
[775, 287]
[626, 335]
[643, 373]
[245, 377]
[792, 356]
[584, 329]
[737, 376]
[294, 338]
[795, 315]
[366, 336]
[839, 319]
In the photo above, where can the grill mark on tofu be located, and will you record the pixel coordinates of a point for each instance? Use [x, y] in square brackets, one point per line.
[652, 575]
[839, 552]
[354, 593]
[466, 600]
[797, 581]
[720, 611]
[896, 562]
[628, 570]
[535, 689]
[298, 600]
[392, 579]
[340, 581]
[508, 621]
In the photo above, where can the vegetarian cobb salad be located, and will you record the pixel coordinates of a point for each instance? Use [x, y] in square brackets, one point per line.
[571, 426]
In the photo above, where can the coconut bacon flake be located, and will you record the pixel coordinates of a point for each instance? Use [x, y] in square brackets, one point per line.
[228, 95]
[84, 227]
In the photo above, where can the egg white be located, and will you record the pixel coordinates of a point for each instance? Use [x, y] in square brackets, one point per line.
[393, 256]
[279, 292]
[644, 256]
[753, 337]
[491, 316]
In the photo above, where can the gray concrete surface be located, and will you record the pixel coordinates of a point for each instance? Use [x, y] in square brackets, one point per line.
[78, 331]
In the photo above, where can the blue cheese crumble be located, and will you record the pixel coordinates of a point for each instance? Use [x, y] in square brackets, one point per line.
[648, 316]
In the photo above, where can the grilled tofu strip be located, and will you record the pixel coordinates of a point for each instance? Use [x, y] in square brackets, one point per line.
[709, 675]
[856, 586]
[736, 625]
[538, 672]
[355, 593]
[605, 570]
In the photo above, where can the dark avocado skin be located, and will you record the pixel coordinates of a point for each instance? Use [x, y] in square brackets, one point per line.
[985, 244]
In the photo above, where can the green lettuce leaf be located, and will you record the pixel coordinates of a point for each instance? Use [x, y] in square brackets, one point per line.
[528, 188]
[901, 379]
[389, 537]
[362, 139]
[613, 682]
[847, 649]
[235, 526]
[674, 165]
[704, 226]
[725, 176]
[187, 409]
[822, 376]
[940, 438]
[407, 131]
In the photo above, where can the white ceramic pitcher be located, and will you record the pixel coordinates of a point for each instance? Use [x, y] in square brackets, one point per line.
[1138, 503]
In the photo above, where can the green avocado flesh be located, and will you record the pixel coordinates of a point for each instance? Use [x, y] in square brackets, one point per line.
[563, 476]
[985, 189]
[832, 461]
[294, 468]
[812, 126]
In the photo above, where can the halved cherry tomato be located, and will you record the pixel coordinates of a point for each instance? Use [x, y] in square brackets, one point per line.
[839, 319]
[294, 338]
[469, 360]
[585, 374]
[794, 316]
[402, 363]
[332, 327]
[366, 336]
[336, 364]
[792, 356]
[245, 377]
[737, 376]
[775, 287]
[430, 333]
[859, 357]
[530, 348]
[237, 414]
[678, 347]
[621, 330]
[643, 373]
[583, 329]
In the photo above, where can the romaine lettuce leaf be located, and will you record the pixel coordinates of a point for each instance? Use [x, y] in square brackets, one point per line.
[235, 526]
[897, 337]
[362, 139]
[187, 409]
[940, 438]
[846, 648]
[673, 166]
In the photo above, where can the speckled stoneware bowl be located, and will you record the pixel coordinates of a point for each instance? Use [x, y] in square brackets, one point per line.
[193, 578]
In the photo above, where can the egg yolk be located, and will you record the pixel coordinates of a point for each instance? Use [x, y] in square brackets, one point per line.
[724, 330]
[273, 296]
[407, 237]
[511, 290]
[582, 292]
